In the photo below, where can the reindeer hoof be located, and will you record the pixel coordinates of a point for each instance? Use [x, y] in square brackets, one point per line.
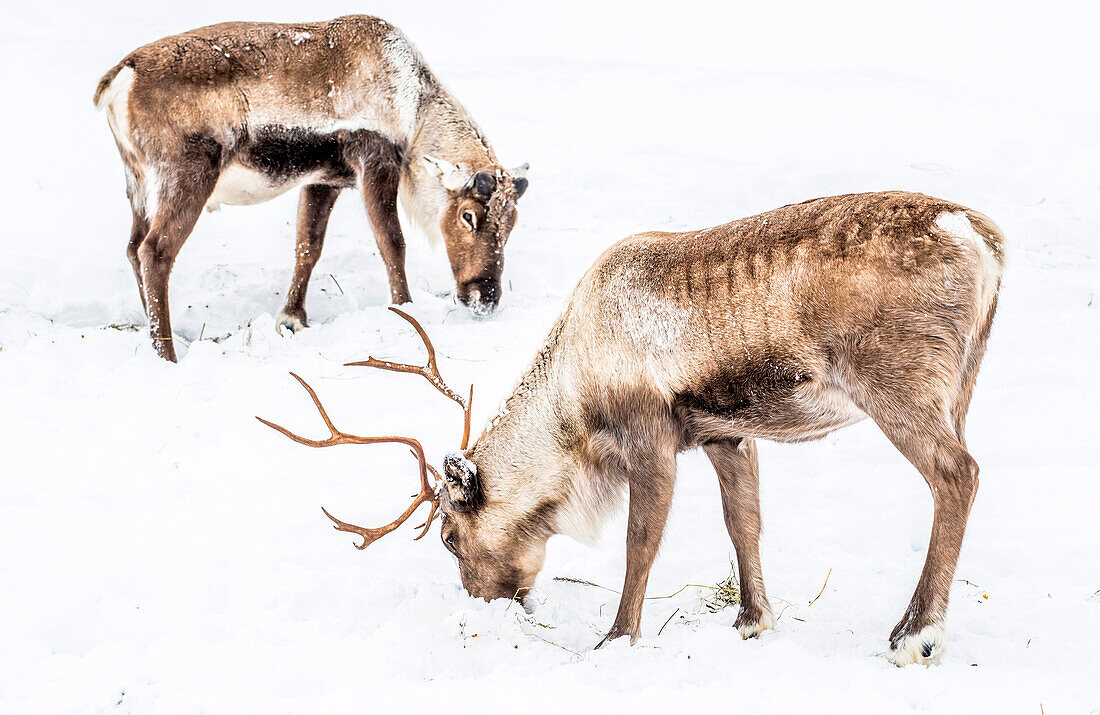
[295, 322]
[751, 625]
[923, 647]
[612, 635]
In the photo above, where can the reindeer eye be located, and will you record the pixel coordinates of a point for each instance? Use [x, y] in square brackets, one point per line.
[469, 219]
[449, 542]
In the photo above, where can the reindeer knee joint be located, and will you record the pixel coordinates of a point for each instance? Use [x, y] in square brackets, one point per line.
[972, 472]
[962, 481]
[148, 250]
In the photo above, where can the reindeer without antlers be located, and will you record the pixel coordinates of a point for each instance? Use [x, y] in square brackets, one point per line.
[783, 326]
[241, 112]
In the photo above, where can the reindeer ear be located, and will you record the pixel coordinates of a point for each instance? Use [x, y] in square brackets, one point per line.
[519, 178]
[454, 177]
[484, 184]
[460, 481]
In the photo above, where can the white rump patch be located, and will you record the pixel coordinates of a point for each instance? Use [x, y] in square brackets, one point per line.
[957, 223]
[913, 648]
[115, 100]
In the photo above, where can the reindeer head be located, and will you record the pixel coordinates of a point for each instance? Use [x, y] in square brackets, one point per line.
[495, 558]
[479, 216]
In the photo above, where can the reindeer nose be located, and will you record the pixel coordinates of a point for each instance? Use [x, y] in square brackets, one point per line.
[481, 296]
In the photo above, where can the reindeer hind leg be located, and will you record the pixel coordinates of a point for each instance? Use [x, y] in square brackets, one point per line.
[915, 414]
[969, 373]
[138, 232]
[175, 206]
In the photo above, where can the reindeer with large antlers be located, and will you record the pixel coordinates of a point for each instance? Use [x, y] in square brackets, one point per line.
[783, 326]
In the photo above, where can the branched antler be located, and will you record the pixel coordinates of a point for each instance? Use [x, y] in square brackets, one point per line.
[427, 491]
[429, 372]
[427, 494]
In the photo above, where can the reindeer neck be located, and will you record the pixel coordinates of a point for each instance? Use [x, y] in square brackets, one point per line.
[525, 449]
[445, 130]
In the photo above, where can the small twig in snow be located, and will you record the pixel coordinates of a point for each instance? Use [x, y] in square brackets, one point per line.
[677, 593]
[582, 582]
[822, 587]
[515, 595]
[683, 588]
[667, 622]
[336, 282]
[527, 618]
[559, 645]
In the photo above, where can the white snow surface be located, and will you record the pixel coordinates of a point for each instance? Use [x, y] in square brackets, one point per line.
[161, 551]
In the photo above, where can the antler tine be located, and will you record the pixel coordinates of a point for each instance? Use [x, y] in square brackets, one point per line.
[435, 506]
[466, 419]
[427, 491]
[372, 535]
[335, 434]
[429, 371]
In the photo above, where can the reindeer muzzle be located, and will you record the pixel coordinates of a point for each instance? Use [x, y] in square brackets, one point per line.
[480, 296]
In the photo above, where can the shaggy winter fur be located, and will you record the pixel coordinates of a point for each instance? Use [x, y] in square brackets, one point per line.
[239, 113]
[783, 326]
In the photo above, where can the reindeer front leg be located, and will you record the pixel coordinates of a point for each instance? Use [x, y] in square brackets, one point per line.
[651, 478]
[314, 208]
[380, 173]
[738, 471]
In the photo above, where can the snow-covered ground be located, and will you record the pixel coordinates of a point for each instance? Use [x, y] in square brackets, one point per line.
[161, 551]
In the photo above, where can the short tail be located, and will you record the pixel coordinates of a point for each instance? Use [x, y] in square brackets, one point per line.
[100, 97]
[991, 233]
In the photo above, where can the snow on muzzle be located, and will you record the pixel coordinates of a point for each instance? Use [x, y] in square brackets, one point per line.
[480, 296]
